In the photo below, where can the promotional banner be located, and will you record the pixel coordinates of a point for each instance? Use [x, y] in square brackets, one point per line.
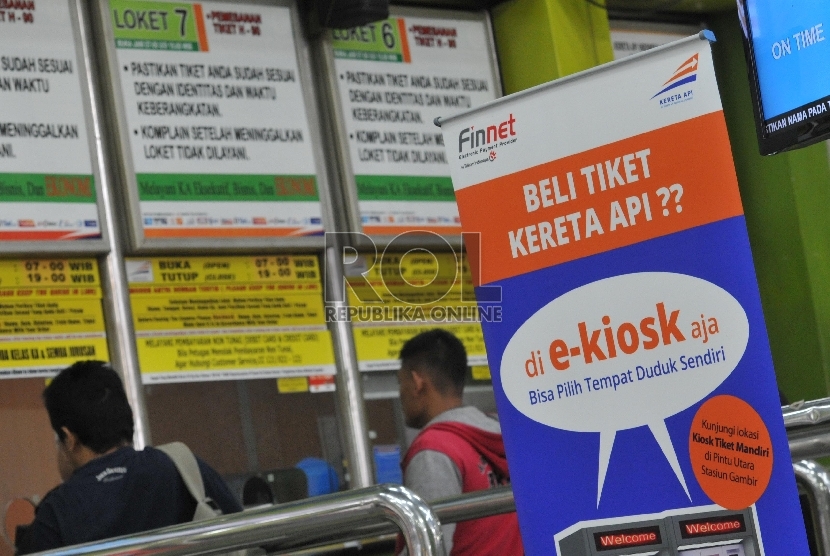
[422, 291]
[50, 316]
[394, 78]
[631, 368]
[47, 186]
[229, 318]
[216, 115]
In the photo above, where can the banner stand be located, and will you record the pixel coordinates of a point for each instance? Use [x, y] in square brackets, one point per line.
[631, 366]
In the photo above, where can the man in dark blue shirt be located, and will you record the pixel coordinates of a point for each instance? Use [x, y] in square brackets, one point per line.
[109, 488]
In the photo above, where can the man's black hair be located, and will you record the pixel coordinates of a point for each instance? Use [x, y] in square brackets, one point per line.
[440, 354]
[88, 399]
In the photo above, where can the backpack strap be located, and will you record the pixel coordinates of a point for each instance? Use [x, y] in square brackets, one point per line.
[188, 468]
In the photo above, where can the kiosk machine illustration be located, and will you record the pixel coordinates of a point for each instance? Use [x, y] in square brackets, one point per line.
[708, 533]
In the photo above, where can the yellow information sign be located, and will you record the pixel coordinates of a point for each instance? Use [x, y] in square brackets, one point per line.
[50, 316]
[48, 273]
[481, 372]
[402, 295]
[292, 385]
[228, 318]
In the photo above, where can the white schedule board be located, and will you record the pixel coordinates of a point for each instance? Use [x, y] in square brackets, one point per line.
[47, 178]
[213, 121]
[392, 79]
[633, 37]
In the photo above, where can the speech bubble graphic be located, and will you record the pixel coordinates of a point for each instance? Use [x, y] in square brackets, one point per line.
[624, 352]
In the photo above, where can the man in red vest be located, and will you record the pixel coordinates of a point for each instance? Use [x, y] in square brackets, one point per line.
[459, 448]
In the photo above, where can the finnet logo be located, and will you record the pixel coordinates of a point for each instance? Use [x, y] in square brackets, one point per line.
[475, 138]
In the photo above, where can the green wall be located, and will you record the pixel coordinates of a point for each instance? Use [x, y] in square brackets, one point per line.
[787, 205]
[541, 40]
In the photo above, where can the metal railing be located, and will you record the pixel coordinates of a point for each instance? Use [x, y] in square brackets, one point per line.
[808, 434]
[808, 428]
[321, 521]
[815, 483]
[280, 527]
[387, 509]
[473, 505]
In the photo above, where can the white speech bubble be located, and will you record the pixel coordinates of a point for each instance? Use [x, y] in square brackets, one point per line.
[676, 339]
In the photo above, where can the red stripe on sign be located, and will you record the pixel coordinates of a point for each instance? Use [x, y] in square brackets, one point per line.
[404, 41]
[155, 233]
[200, 28]
[46, 236]
[395, 230]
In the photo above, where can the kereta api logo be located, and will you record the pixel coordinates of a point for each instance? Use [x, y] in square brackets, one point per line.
[472, 138]
[685, 74]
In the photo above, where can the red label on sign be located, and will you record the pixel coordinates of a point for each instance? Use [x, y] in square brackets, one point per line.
[641, 536]
[712, 526]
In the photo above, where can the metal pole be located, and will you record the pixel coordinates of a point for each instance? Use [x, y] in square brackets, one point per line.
[116, 303]
[350, 406]
[811, 442]
[285, 526]
[482, 503]
[816, 482]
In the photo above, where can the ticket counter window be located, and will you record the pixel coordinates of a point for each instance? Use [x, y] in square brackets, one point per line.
[237, 360]
[248, 428]
[385, 416]
[28, 465]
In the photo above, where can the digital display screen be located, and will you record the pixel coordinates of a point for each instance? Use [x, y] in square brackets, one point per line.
[692, 528]
[625, 538]
[790, 54]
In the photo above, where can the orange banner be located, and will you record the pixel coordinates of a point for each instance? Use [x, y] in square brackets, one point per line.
[616, 195]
